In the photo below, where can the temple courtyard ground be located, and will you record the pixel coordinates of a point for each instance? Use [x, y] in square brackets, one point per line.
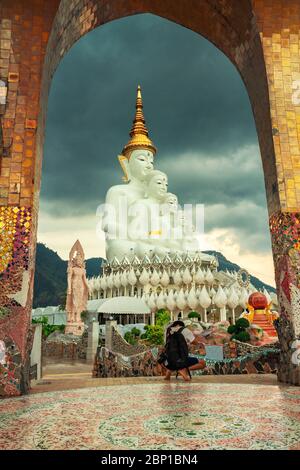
[68, 409]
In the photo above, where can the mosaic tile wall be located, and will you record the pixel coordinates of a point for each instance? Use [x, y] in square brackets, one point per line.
[24, 32]
[111, 364]
[285, 231]
[279, 25]
[258, 36]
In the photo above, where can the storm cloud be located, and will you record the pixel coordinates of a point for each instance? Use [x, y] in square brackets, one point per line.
[197, 111]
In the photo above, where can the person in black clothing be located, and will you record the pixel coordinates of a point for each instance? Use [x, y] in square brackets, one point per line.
[177, 352]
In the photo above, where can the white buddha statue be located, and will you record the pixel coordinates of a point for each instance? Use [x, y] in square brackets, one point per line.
[137, 162]
[141, 217]
[182, 234]
[170, 215]
[145, 222]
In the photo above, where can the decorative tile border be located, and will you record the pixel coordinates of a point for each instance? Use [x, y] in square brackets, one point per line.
[15, 225]
[162, 416]
[263, 360]
[15, 236]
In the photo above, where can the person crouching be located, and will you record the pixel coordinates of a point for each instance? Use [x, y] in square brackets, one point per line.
[177, 358]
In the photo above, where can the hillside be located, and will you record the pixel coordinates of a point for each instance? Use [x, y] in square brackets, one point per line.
[50, 281]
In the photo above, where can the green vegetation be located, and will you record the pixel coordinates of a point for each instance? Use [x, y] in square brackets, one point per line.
[162, 317]
[193, 315]
[242, 336]
[132, 336]
[136, 332]
[238, 331]
[46, 328]
[154, 334]
[4, 312]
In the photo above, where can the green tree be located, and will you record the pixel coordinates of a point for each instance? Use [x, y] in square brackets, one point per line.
[162, 317]
[136, 332]
[154, 334]
[130, 338]
[47, 329]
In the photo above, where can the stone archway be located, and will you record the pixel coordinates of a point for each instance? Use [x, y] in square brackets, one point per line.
[260, 37]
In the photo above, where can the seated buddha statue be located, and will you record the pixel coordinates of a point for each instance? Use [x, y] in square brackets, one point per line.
[136, 161]
[146, 224]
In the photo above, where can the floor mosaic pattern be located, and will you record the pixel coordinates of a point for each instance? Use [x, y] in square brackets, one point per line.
[155, 416]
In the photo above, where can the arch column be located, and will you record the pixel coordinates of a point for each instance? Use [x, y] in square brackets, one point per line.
[24, 33]
[279, 28]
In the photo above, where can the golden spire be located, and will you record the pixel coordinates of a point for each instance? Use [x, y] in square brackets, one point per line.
[139, 138]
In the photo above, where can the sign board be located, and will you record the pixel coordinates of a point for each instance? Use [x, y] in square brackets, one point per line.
[214, 353]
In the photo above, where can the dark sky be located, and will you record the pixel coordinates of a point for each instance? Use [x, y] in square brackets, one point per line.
[197, 111]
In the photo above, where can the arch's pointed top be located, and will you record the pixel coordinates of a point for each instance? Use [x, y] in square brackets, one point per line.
[139, 138]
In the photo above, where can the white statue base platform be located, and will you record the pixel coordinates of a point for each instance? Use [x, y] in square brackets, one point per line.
[74, 328]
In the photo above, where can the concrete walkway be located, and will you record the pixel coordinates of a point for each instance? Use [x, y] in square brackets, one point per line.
[68, 376]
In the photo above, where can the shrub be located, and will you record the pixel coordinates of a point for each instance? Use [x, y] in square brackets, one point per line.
[238, 331]
[130, 338]
[135, 331]
[242, 323]
[4, 311]
[47, 329]
[193, 315]
[154, 334]
[242, 336]
[231, 329]
[162, 317]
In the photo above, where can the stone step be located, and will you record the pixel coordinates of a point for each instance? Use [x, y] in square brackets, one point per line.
[261, 321]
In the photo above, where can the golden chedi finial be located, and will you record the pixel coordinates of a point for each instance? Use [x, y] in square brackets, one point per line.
[139, 138]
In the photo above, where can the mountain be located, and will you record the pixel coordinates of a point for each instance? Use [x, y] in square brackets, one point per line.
[50, 282]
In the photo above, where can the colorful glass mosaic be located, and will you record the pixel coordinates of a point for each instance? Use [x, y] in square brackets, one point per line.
[285, 231]
[15, 224]
[163, 416]
[10, 369]
[15, 232]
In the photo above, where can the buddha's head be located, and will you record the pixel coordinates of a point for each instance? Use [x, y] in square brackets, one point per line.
[171, 201]
[78, 260]
[137, 155]
[140, 164]
[157, 185]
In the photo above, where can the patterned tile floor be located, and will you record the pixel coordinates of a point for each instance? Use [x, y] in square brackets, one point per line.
[155, 416]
